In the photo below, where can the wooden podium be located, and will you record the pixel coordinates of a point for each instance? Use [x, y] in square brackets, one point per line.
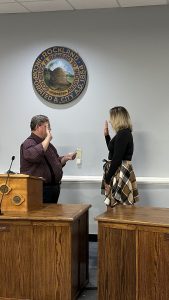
[22, 193]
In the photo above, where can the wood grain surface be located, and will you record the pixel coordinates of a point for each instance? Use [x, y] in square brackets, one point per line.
[44, 254]
[133, 255]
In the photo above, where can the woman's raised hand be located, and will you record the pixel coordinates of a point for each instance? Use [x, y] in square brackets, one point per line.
[106, 128]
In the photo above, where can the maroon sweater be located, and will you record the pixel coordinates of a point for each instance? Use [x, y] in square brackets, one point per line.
[36, 162]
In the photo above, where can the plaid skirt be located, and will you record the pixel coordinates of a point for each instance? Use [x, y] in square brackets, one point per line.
[123, 185]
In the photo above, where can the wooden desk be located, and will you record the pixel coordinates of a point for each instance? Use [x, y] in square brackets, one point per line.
[133, 254]
[44, 253]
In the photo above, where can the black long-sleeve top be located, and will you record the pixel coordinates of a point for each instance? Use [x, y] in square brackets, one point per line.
[120, 148]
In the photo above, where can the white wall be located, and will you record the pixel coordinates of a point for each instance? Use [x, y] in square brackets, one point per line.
[126, 52]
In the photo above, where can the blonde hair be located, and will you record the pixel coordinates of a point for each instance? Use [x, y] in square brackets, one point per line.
[120, 118]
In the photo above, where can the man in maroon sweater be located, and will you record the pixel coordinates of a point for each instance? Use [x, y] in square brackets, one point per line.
[38, 157]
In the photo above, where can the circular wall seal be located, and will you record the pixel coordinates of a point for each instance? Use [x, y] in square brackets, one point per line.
[59, 75]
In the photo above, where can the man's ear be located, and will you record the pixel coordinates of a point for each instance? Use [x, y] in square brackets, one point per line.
[37, 126]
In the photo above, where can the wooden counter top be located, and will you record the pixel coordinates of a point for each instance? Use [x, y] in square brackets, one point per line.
[54, 212]
[137, 215]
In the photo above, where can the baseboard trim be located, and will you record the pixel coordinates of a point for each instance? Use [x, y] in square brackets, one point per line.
[98, 179]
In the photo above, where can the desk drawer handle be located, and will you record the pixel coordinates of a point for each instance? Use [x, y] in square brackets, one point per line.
[4, 228]
[166, 236]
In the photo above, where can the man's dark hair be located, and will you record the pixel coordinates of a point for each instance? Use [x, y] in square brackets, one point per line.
[38, 120]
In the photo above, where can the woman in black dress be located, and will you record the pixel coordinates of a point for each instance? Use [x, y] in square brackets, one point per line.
[119, 178]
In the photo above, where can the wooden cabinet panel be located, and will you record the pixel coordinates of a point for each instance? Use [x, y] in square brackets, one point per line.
[134, 253]
[117, 252]
[44, 254]
[80, 254]
[51, 257]
[153, 265]
[15, 271]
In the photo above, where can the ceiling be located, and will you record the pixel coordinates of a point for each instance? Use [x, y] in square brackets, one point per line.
[28, 6]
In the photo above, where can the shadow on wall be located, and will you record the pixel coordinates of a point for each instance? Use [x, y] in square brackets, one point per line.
[154, 195]
[87, 193]
[142, 155]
